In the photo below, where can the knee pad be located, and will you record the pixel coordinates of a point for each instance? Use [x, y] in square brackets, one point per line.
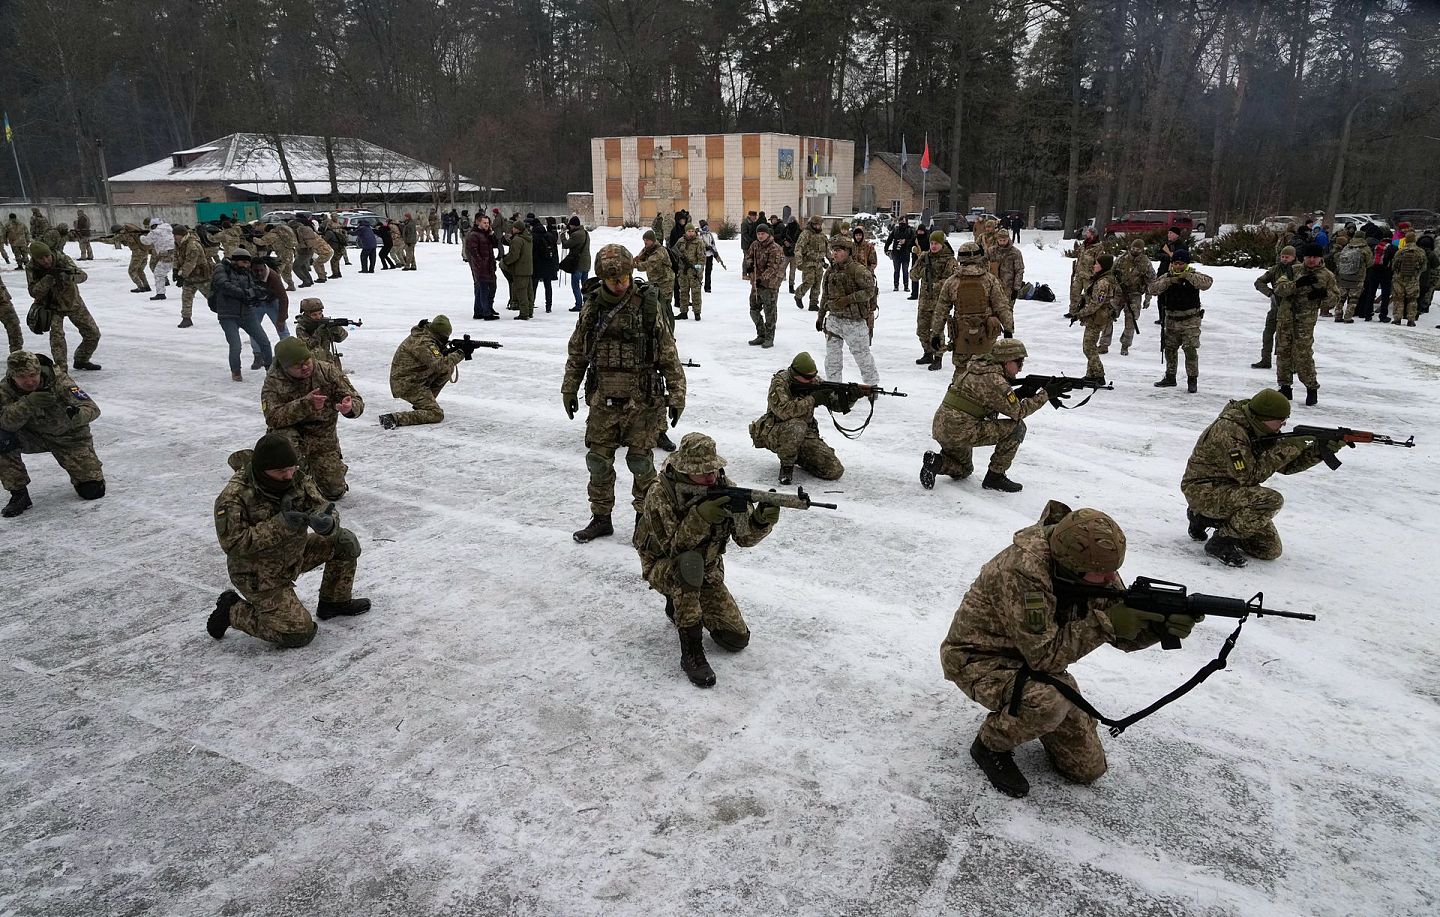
[90, 490]
[730, 640]
[639, 463]
[598, 461]
[1018, 434]
[296, 640]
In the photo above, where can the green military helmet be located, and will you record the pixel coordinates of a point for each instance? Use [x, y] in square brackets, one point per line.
[21, 363]
[1088, 541]
[696, 455]
[440, 326]
[1002, 235]
[311, 304]
[63, 228]
[1007, 349]
[40, 250]
[114, 228]
[649, 235]
[803, 364]
[937, 236]
[815, 221]
[843, 242]
[968, 251]
[614, 262]
[274, 451]
[290, 352]
[1268, 404]
[1137, 245]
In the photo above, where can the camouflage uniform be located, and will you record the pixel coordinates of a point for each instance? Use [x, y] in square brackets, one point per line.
[1351, 264]
[38, 224]
[1229, 464]
[1265, 286]
[17, 236]
[654, 261]
[1297, 308]
[320, 252]
[195, 271]
[1085, 256]
[82, 236]
[1010, 618]
[691, 252]
[973, 309]
[265, 556]
[1099, 303]
[56, 237]
[788, 429]
[810, 251]
[518, 265]
[409, 234]
[1179, 293]
[765, 266]
[13, 329]
[1007, 264]
[1135, 273]
[281, 239]
[419, 371]
[318, 334]
[1406, 269]
[59, 288]
[632, 374]
[59, 426]
[980, 409]
[285, 402]
[930, 273]
[129, 236]
[845, 316]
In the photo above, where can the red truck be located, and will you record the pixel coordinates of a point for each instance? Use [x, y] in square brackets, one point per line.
[1138, 221]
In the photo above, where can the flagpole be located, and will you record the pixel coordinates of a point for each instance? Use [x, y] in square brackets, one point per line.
[15, 150]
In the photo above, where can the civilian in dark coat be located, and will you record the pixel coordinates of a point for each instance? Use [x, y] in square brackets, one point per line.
[546, 257]
[365, 238]
[234, 296]
[480, 245]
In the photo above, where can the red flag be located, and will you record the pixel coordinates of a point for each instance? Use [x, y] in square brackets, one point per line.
[925, 157]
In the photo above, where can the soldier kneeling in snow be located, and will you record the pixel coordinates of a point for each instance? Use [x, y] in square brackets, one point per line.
[43, 410]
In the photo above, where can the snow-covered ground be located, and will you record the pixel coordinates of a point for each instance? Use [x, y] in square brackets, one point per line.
[509, 732]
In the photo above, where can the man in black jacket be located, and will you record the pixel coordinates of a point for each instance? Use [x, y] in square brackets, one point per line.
[233, 298]
[902, 237]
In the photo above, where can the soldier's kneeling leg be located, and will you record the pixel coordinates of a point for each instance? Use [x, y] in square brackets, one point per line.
[426, 410]
[1074, 748]
[1249, 521]
[1007, 435]
[275, 616]
[642, 469]
[723, 619]
[1042, 711]
[328, 470]
[818, 459]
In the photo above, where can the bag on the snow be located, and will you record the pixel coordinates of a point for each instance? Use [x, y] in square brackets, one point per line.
[40, 317]
[1043, 293]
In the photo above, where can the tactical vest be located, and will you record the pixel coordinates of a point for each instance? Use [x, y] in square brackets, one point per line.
[1180, 299]
[972, 328]
[1409, 262]
[624, 355]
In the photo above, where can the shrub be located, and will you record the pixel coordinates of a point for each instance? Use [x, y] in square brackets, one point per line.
[1250, 248]
[727, 230]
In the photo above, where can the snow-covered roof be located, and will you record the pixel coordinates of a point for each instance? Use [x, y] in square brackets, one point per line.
[252, 159]
[369, 187]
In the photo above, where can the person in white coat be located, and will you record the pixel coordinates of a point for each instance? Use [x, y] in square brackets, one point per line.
[162, 239]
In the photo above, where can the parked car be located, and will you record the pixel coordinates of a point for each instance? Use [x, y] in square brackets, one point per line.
[950, 221]
[1138, 221]
[1052, 221]
[1418, 218]
[1278, 223]
[1363, 221]
[1201, 219]
[350, 220]
[280, 216]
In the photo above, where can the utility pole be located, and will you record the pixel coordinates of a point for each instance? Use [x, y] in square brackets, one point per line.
[105, 180]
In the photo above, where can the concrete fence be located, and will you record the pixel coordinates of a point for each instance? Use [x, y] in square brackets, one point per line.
[64, 212]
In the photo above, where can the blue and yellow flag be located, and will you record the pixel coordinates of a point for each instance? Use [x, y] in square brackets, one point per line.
[9, 134]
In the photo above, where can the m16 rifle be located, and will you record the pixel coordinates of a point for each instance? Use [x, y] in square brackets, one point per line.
[742, 497]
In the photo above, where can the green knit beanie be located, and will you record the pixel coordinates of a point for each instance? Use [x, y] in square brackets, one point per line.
[290, 352]
[1269, 404]
[274, 451]
[803, 364]
[39, 250]
[440, 326]
[937, 236]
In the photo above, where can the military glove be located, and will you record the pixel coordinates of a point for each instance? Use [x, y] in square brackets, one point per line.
[1317, 294]
[714, 511]
[1178, 626]
[1026, 390]
[1335, 445]
[675, 411]
[1057, 392]
[766, 514]
[41, 401]
[294, 519]
[936, 344]
[1129, 621]
[1008, 334]
[1309, 280]
[572, 403]
[820, 323]
[323, 522]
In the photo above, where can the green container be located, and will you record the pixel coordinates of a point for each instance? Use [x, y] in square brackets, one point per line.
[244, 211]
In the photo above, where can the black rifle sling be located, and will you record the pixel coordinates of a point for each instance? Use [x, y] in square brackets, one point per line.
[853, 432]
[1026, 674]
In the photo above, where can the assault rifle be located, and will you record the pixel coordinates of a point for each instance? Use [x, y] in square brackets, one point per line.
[342, 322]
[691, 364]
[741, 497]
[468, 347]
[1349, 437]
[852, 392]
[1163, 598]
[1026, 386]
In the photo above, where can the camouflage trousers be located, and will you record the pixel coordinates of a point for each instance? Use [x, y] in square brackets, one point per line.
[1068, 733]
[322, 256]
[1405, 299]
[1130, 312]
[810, 276]
[690, 289]
[287, 267]
[1349, 298]
[300, 264]
[138, 261]
[86, 252]
[798, 442]
[277, 615]
[1295, 345]
[634, 423]
[1246, 514]
[322, 460]
[424, 408]
[958, 434]
[924, 319]
[711, 605]
[13, 329]
[855, 334]
[80, 463]
[79, 316]
[22, 253]
[1090, 345]
[187, 295]
[1182, 331]
[763, 312]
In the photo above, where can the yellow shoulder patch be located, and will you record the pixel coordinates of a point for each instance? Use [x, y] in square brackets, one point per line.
[1035, 612]
[1010, 397]
[1237, 460]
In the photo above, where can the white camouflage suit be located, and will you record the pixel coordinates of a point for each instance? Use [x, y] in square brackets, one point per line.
[844, 310]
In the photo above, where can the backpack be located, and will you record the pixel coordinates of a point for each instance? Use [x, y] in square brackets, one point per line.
[40, 317]
[1043, 293]
[1350, 264]
[972, 329]
[675, 264]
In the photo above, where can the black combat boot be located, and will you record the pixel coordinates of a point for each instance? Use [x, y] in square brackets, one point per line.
[598, 528]
[87, 365]
[799, 303]
[256, 363]
[1288, 392]
[927, 470]
[1312, 396]
[757, 340]
[1225, 550]
[1193, 385]
[692, 657]
[387, 421]
[1265, 363]
[787, 474]
[347, 609]
[924, 358]
[90, 490]
[1200, 526]
[996, 480]
[157, 296]
[664, 443]
[999, 767]
[937, 363]
[185, 323]
[768, 342]
[1167, 382]
[19, 503]
[219, 620]
[730, 640]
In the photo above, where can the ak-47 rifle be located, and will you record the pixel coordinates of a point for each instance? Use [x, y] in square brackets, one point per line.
[1345, 435]
[691, 364]
[742, 497]
[342, 322]
[1026, 386]
[848, 393]
[468, 347]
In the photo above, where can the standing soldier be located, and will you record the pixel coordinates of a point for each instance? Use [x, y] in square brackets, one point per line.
[261, 518]
[318, 333]
[691, 252]
[810, 253]
[411, 238]
[654, 260]
[54, 280]
[787, 236]
[765, 266]
[931, 272]
[303, 398]
[17, 236]
[38, 224]
[981, 409]
[13, 329]
[1406, 269]
[1007, 265]
[1087, 249]
[1024, 612]
[846, 315]
[1098, 303]
[1298, 301]
[972, 308]
[623, 351]
[788, 426]
[43, 410]
[194, 269]
[335, 238]
[160, 240]
[319, 250]
[1135, 273]
[865, 256]
[681, 538]
[82, 235]
[281, 239]
[1230, 462]
[518, 265]
[1284, 269]
[419, 371]
[1350, 265]
[1178, 291]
